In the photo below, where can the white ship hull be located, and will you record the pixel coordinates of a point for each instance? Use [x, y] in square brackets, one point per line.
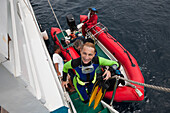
[28, 81]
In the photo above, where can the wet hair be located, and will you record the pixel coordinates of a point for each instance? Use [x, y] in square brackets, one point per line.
[56, 47]
[89, 44]
[78, 43]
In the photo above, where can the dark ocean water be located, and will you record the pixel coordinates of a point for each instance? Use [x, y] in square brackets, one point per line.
[141, 26]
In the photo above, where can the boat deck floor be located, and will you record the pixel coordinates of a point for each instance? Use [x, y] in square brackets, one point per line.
[100, 52]
[85, 108]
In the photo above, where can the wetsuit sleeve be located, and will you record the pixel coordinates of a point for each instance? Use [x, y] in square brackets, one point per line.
[66, 67]
[106, 62]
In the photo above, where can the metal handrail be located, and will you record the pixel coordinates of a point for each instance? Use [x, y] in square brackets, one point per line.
[93, 27]
[103, 28]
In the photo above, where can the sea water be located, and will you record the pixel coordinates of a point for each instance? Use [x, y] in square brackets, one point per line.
[141, 26]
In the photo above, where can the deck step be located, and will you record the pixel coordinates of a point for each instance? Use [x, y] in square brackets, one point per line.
[84, 108]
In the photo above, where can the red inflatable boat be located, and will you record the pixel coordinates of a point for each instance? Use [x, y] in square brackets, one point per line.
[128, 62]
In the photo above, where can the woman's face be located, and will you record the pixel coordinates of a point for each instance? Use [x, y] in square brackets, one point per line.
[87, 54]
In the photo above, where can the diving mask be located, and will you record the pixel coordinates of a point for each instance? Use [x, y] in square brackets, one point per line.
[87, 69]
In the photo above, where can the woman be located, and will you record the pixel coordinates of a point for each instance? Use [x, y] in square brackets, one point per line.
[85, 67]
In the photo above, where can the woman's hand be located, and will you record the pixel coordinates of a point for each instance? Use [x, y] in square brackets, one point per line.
[107, 74]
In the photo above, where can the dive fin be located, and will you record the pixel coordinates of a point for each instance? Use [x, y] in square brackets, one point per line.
[93, 95]
[99, 97]
[99, 90]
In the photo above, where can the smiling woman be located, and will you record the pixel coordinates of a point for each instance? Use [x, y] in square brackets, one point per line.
[85, 67]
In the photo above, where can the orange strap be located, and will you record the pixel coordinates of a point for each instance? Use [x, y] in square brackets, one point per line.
[73, 36]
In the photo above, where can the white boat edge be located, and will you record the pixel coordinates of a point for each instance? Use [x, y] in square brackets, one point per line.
[29, 60]
[28, 81]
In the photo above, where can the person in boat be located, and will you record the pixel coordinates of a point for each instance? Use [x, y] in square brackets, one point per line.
[46, 39]
[85, 67]
[77, 45]
[92, 20]
[80, 38]
[58, 63]
[73, 40]
[74, 36]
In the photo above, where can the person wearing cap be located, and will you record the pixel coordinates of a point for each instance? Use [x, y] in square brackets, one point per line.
[92, 20]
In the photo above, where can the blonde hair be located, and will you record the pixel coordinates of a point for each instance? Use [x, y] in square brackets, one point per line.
[89, 44]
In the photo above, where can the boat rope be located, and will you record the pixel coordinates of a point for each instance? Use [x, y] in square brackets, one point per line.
[68, 51]
[108, 35]
[143, 84]
[55, 17]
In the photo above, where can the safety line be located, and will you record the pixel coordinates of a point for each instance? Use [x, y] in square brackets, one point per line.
[143, 84]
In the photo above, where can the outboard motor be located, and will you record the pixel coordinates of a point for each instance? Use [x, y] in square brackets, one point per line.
[71, 22]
